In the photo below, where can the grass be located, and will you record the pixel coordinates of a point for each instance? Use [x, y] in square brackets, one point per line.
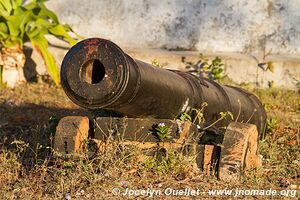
[29, 170]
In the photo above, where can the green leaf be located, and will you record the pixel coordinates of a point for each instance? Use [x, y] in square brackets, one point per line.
[16, 3]
[32, 21]
[13, 25]
[3, 11]
[6, 5]
[30, 6]
[47, 14]
[15, 21]
[41, 44]
[270, 66]
[37, 27]
[230, 115]
[60, 31]
[185, 117]
[3, 30]
[26, 19]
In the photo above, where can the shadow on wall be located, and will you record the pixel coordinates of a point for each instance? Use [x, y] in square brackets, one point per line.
[29, 66]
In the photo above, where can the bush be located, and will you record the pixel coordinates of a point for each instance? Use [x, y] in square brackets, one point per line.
[31, 21]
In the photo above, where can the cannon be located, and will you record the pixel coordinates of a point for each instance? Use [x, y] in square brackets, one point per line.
[97, 74]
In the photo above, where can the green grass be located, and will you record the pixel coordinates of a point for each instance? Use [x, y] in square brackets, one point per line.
[29, 171]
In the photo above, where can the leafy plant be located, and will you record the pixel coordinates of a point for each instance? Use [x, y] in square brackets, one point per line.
[271, 84]
[267, 66]
[163, 161]
[197, 116]
[272, 124]
[223, 115]
[185, 117]
[203, 68]
[31, 21]
[270, 66]
[156, 63]
[161, 131]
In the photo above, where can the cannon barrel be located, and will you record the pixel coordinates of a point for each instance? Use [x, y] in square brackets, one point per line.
[97, 74]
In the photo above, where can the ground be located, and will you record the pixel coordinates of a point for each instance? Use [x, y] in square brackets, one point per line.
[29, 170]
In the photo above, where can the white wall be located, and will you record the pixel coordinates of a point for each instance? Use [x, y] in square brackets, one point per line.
[206, 25]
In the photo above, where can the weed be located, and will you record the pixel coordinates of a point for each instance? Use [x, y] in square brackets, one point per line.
[196, 117]
[270, 66]
[271, 84]
[156, 63]
[93, 176]
[272, 124]
[203, 68]
[267, 66]
[280, 163]
[198, 113]
[185, 117]
[161, 131]
[9, 168]
[169, 160]
[223, 115]
[162, 161]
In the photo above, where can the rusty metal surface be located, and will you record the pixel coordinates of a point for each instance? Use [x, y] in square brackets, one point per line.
[96, 74]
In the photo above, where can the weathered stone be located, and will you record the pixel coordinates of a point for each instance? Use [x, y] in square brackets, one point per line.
[143, 129]
[71, 134]
[211, 154]
[139, 133]
[239, 150]
[208, 158]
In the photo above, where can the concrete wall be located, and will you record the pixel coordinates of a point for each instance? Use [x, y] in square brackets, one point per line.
[246, 26]
[238, 31]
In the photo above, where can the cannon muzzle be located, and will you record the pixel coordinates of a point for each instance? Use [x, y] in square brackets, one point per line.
[97, 74]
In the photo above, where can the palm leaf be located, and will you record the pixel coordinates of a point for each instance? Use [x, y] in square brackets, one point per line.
[6, 6]
[40, 43]
[20, 22]
[3, 30]
[47, 14]
[60, 31]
